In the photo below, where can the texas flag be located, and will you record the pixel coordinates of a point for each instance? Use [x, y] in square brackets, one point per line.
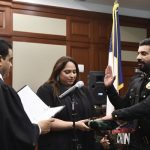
[114, 59]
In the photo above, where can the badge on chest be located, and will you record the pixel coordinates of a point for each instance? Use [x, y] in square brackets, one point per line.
[148, 85]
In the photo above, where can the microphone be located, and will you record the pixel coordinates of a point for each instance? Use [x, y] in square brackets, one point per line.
[79, 84]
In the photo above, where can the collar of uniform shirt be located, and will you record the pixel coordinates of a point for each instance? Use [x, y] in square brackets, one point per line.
[1, 77]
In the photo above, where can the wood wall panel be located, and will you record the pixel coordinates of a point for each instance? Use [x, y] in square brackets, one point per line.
[81, 52]
[102, 30]
[129, 46]
[39, 38]
[80, 30]
[92, 56]
[5, 21]
[100, 57]
[1, 19]
[38, 13]
[134, 22]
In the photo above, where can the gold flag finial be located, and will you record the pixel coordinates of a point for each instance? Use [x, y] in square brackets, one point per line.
[116, 1]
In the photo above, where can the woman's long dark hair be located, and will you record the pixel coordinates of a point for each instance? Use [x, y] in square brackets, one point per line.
[58, 67]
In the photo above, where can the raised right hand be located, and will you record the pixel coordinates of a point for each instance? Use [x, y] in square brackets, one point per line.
[109, 78]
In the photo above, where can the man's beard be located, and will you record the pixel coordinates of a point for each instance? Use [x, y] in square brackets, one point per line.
[145, 67]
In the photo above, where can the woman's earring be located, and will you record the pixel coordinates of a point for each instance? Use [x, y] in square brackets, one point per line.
[57, 78]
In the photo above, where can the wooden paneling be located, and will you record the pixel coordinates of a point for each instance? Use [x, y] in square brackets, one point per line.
[39, 38]
[130, 46]
[1, 19]
[88, 30]
[79, 29]
[134, 22]
[59, 10]
[81, 52]
[5, 21]
[102, 30]
[99, 57]
[90, 55]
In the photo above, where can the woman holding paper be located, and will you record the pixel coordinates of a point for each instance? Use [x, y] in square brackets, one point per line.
[70, 123]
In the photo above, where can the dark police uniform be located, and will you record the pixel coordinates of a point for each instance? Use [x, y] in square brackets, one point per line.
[135, 107]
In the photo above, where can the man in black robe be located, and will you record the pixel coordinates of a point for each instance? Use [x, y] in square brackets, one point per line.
[16, 130]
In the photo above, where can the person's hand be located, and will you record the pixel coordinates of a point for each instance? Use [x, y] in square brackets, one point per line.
[45, 125]
[105, 142]
[107, 117]
[81, 125]
[109, 78]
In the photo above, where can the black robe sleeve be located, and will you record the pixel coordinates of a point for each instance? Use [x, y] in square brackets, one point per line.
[16, 130]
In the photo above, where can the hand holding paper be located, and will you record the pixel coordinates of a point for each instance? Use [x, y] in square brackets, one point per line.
[45, 125]
[34, 107]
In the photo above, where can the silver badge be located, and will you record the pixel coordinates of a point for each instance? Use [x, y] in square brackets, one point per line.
[148, 85]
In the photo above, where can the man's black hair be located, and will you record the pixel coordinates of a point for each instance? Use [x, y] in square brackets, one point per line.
[145, 42]
[4, 47]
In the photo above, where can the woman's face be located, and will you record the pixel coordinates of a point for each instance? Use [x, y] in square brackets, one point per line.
[68, 74]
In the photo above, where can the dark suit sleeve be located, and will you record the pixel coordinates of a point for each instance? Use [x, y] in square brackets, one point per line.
[138, 111]
[123, 101]
[117, 101]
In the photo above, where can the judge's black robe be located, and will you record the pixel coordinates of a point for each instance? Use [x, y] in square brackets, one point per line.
[16, 130]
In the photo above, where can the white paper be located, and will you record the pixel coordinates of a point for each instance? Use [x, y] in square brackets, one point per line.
[34, 107]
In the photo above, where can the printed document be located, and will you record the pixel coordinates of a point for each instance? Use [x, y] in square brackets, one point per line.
[34, 107]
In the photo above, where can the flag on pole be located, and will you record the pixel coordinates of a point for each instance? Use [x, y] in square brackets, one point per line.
[114, 58]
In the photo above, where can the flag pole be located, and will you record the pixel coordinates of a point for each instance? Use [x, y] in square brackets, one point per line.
[114, 59]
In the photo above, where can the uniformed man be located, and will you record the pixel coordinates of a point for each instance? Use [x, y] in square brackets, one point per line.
[134, 107]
